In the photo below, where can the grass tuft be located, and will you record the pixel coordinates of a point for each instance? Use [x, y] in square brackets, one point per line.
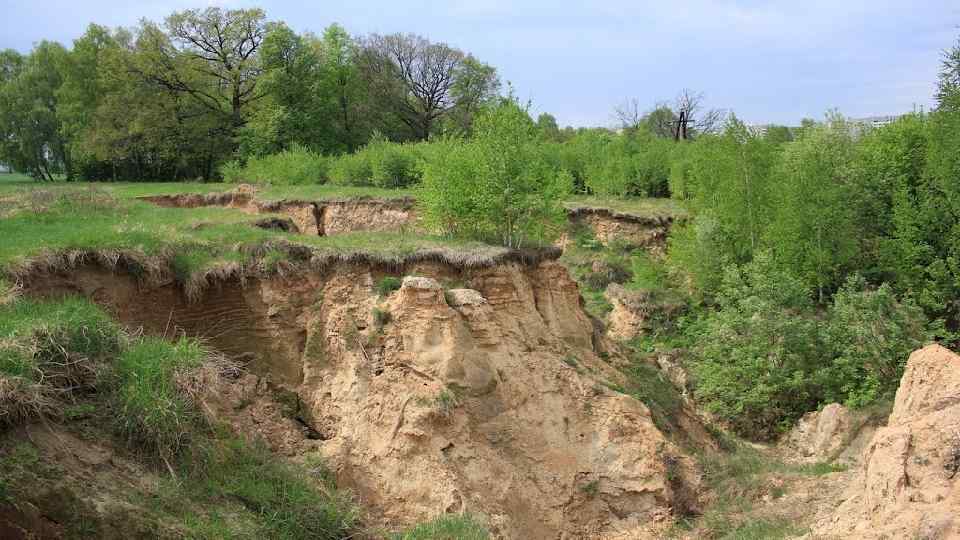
[446, 527]
[387, 285]
[151, 412]
[50, 354]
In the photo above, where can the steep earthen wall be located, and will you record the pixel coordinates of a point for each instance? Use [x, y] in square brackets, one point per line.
[486, 398]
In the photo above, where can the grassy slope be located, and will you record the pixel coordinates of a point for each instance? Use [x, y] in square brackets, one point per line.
[10, 184]
[123, 393]
[642, 207]
[39, 222]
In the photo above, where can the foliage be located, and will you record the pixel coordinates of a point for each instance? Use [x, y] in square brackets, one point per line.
[726, 181]
[871, 334]
[387, 285]
[177, 99]
[496, 185]
[380, 163]
[814, 230]
[760, 352]
[766, 357]
[295, 166]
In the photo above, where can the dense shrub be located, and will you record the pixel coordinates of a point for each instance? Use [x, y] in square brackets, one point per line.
[760, 351]
[380, 163]
[766, 356]
[294, 166]
[870, 334]
[498, 185]
[352, 170]
[609, 164]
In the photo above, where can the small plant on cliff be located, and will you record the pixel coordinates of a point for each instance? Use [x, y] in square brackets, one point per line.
[287, 503]
[446, 402]
[50, 352]
[591, 489]
[572, 361]
[387, 285]
[381, 318]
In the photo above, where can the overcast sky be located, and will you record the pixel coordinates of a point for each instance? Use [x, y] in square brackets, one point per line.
[774, 61]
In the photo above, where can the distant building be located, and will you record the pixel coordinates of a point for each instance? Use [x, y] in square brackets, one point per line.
[5, 169]
[876, 121]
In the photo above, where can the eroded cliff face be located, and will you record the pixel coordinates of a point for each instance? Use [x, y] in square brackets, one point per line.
[465, 390]
[648, 233]
[323, 218]
[907, 485]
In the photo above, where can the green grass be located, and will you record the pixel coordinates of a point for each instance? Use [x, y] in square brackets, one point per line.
[150, 411]
[199, 239]
[14, 179]
[285, 499]
[740, 476]
[446, 527]
[641, 207]
[36, 337]
[387, 285]
[648, 384]
[12, 183]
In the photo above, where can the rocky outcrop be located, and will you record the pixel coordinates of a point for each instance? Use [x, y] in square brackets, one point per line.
[832, 434]
[468, 389]
[907, 485]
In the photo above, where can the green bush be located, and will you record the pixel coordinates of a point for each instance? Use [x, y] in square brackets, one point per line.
[766, 356]
[870, 334]
[387, 285]
[761, 350]
[352, 170]
[151, 412]
[380, 163]
[497, 186]
[295, 166]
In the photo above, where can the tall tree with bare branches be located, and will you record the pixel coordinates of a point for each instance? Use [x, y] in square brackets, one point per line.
[420, 82]
[209, 55]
